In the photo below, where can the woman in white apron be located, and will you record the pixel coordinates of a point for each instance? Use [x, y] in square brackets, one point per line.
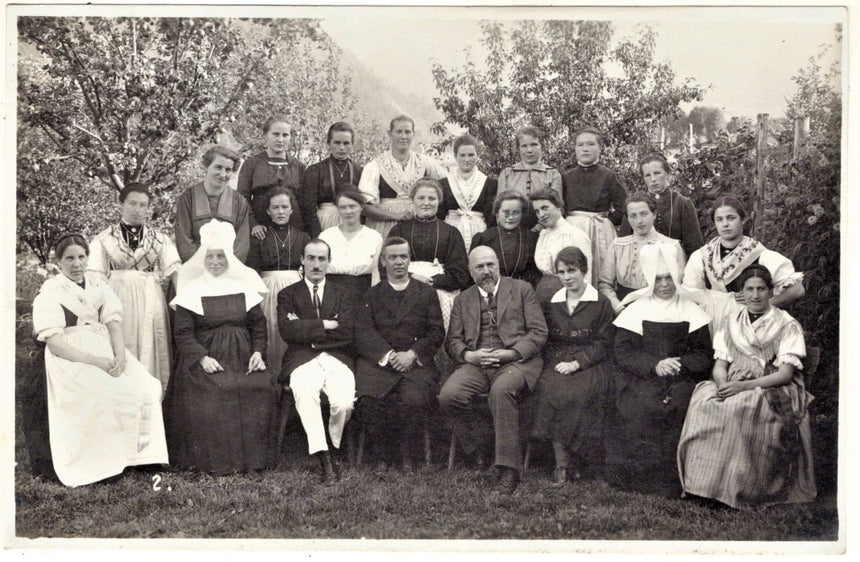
[467, 193]
[438, 255]
[277, 258]
[104, 409]
[135, 260]
[323, 180]
[387, 179]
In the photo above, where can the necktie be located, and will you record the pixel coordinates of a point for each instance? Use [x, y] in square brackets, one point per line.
[317, 299]
[490, 307]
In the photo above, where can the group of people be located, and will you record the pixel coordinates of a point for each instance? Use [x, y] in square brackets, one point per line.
[657, 361]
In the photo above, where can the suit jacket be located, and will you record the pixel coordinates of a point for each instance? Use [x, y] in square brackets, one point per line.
[521, 324]
[391, 320]
[306, 336]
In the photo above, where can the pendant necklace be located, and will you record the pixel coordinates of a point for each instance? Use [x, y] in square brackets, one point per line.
[281, 245]
[412, 240]
[519, 249]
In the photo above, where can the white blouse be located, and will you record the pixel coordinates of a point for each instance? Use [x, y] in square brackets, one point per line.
[552, 240]
[356, 256]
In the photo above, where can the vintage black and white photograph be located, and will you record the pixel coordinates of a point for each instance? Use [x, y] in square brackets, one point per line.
[398, 273]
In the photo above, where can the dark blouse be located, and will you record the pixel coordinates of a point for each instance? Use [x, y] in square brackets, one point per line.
[676, 218]
[317, 188]
[281, 249]
[259, 174]
[515, 250]
[639, 355]
[594, 189]
[434, 239]
[585, 336]
[483, 204]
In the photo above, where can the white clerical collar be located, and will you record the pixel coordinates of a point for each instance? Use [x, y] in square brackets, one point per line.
[495, 288]
[589, 295]
[399, 286]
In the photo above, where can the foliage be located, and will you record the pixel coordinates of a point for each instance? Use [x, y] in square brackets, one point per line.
[707, 124]
[560, 76]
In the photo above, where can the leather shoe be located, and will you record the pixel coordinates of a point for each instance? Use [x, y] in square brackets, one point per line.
[559, 476]
[337, 463]
[327, 473]
[508, 481]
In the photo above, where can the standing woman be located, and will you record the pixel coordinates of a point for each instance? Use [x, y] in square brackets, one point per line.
[662, 349]
[573, 390]
[676, 215]
[353, 264]
[593, 195]
[467, 193]
[104, 409]
[746, 440]
[437, 253]
[324, 179]
[387, 179]
[530, 173]
[512, 242]
[718, 264]
[134, 259]
[220, 404]
[621, 272]
[269, 169]
[212, 199]
[277, 258]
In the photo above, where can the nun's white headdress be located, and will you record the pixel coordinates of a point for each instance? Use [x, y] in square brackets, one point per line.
[194, 282]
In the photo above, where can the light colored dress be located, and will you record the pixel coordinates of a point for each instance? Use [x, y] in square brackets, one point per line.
[99, 424]
[136, 277]
[354, 262]
[621, 271]
[753, 448]
[550, 242]
[385, 182]
[706, 269]
[466, 193]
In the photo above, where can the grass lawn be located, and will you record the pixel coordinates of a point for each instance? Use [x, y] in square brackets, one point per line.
[434, 504]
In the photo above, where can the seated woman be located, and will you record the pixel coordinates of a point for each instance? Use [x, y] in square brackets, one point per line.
[104, 409]
[354, 247]
[556, 233]
[621, 272]
[134, 259]
[717, 265]
[513, 243]
[746, 441]
[573, 390]
[662, 348]
[467, 193]
[438, 255]
[220, 403]
[277, 258]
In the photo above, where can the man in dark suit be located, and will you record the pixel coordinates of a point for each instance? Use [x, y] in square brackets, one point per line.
[497, 331]
[316, 319]
[400, 330]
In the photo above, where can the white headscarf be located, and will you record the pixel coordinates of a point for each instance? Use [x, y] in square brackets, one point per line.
[194, 282]
[659, 259]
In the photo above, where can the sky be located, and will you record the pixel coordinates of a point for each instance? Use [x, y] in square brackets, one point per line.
[747, 55]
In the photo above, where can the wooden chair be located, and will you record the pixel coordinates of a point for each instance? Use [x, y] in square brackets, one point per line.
[428, 457]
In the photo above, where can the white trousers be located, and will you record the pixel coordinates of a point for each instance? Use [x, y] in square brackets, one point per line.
[325, 374]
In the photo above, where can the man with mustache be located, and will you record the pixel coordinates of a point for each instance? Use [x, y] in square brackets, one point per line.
[315, 318]
[400, 331]
[497, 331]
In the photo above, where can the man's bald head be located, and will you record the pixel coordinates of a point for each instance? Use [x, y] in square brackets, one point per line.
[484, 267]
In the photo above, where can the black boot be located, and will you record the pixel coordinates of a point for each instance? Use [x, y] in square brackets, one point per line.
[327, 473]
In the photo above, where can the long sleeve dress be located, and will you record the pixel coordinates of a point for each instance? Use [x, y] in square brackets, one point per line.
[354, 264]
[320, 184]
[468, 204]
[753, 448]
[277, 258]
[437, 251]
[645, 424]
[550, 242]
[222, 422]
[195, 207]
[677, 218]
[134, 268]
[98, 424]
[515, 249]
[525, 179]
[261, 173]
[571, 408]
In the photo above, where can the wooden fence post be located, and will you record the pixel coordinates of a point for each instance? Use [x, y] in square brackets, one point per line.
[758, 195]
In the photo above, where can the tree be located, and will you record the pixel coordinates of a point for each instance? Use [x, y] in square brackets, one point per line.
[560, 76]
[131, 99]
[707, 121]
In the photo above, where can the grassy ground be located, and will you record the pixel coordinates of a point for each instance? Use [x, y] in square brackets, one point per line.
[434, 504]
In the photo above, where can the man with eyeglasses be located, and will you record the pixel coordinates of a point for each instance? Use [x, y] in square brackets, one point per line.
[496, 333]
